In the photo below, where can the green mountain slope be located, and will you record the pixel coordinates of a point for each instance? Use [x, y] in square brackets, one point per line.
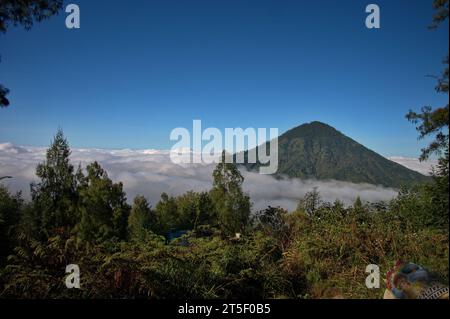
[317, 150]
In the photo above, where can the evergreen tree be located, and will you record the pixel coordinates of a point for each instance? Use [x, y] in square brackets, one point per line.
[358, 205]
[54, 196]
[141, 219]
[204, 211]
[193, 209]
[311, 202]
[103, 206]
[435, 123]
[167, 214]
[231, 204]
[359, 211]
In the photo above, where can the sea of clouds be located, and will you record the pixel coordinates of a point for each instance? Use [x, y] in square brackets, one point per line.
[415, 164]
[151, 172]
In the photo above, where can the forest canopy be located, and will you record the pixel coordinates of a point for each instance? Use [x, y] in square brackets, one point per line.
[208, 244]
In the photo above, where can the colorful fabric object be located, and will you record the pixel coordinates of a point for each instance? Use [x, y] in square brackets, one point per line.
[411, 281]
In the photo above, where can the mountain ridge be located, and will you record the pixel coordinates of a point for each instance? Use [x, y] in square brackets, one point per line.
[318, 150]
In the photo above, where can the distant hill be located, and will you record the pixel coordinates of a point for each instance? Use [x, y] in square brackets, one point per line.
[317, 150]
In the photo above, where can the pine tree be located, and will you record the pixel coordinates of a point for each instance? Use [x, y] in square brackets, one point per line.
[103, 206]
[54, 196]
[231, 204]
[205, 211]
[141, 219]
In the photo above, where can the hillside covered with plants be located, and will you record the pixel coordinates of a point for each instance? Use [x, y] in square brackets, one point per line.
[212, 244]
[187, 247]
[319, 151]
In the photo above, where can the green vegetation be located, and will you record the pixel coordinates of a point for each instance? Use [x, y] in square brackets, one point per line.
[320, 250]
[317, 150]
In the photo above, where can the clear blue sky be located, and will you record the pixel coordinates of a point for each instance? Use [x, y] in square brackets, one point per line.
[137, 69]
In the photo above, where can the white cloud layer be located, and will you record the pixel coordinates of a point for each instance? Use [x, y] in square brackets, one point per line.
[150, 172]
[424, 167]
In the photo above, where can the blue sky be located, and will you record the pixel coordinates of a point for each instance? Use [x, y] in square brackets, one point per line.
[137, 69]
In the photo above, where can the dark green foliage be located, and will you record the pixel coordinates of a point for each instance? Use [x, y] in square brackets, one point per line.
[66, 202]
[441, 12]
[286, 255]
[434, 123]
[103, 207]
[318, 151]
[25, 12]
[439, 190]
[231, 204]
[332, 250]
[187, 211]
[424, 206]
[310, 202]
[141, 220]
[4, 102]
[167, 214]
[55, 194]
[10, 208]
[271, 220]
[321, 250]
